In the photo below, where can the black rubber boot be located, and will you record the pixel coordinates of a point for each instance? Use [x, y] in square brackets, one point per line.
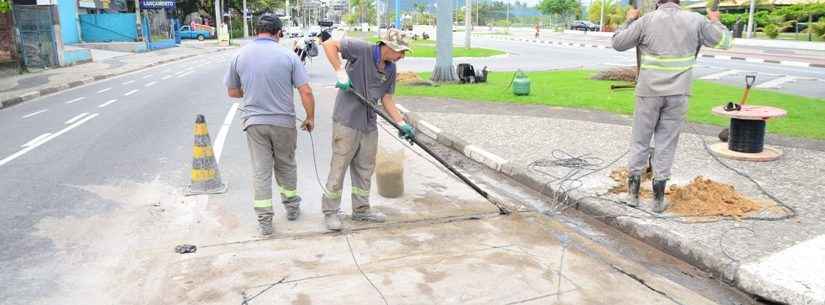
[634, 183]
[659, 204]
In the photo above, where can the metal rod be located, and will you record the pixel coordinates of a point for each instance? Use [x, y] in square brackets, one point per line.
[429, 151]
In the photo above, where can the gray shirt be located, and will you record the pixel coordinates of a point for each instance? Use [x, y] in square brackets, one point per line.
[267, 73]
[362, 68]
[669, 40]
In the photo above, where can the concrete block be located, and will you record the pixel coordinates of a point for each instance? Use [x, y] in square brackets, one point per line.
[484, 157]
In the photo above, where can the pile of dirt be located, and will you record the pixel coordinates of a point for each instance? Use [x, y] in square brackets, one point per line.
[701, 197]
[620, 176]
[705, 197]
[626, 74]
[410, 78]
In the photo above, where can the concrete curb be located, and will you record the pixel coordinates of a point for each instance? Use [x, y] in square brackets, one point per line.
[723, 57]
[65, 86]
[667, 241]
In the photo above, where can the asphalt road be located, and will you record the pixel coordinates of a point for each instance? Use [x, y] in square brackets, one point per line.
[90, 176]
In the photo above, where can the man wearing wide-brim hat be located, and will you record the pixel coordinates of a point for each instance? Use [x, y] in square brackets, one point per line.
[370, 71]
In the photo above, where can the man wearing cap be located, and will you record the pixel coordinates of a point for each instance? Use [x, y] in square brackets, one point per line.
[370, 71]
[265, 74]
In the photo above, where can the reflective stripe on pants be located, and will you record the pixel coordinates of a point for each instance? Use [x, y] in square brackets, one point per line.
[355, 150]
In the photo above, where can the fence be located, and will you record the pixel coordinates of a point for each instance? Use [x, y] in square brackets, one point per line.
[108, 27]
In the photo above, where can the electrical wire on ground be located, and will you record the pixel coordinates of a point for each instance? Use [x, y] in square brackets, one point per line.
[583, 165]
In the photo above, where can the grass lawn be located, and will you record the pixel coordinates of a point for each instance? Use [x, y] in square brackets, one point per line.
[574, 88]
[426, 48]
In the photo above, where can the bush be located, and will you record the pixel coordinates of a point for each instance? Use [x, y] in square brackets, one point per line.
[771, 31]
[819, 28]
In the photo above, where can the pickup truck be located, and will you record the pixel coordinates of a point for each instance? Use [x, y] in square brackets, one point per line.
[186, 32]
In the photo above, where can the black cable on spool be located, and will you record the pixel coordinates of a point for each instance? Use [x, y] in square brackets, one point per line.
[747, 136]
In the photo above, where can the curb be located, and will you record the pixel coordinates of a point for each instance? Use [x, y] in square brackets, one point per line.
[790, 63]
[65, 86]
[667, 241]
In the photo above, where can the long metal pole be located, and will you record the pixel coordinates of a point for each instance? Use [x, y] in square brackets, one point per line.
[218, 19]
[468, 23]
[245, 22]
[426, 149]
[601, 18]
[750, 19]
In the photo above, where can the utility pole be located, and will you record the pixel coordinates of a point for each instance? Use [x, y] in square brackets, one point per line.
[468, 23]
[750, 19]
[601, 18]
[138, 20]
[378, 16]
[245, 22]
[218, 19]
[508, 17]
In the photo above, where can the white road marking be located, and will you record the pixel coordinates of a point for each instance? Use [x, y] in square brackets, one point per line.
[185, 74]
[107, 103]
[146, 76]
[104, 90]
[130, 92]
[77, 117]
[166, 77]
[150, 84]
[776, 83]
[34, 113]
[128, 82]
[35, 140]
[227, 122]
[75, 100]
[47, 139]
[720, 75]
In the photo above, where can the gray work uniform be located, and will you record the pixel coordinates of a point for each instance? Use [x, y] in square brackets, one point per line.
[668, 40]
[268, 73]
[354, 132]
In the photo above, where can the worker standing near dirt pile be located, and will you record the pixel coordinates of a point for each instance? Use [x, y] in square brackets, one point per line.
[264, 75]
[370, 71]
[668, 40]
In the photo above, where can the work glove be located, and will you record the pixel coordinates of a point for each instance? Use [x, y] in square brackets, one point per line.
[343, 81]
[406, 132]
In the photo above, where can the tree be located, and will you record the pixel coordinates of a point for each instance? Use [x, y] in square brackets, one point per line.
[444, 70]
[561, 8]
[614, 12]
[4, 6]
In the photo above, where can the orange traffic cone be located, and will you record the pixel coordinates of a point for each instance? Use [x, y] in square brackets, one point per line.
[206, 179]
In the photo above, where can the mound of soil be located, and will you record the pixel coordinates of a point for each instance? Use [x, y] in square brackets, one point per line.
[705, 197]
[626, 74]
[701, 197]
[407, 77]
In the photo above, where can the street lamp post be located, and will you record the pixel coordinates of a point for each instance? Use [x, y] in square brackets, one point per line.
[750, 18]
[601, 18]
[245, 22]
[468, 23]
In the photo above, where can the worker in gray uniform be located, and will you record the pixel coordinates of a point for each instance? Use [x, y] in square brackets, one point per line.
[668, 40]
[370, 71]
[265, 74]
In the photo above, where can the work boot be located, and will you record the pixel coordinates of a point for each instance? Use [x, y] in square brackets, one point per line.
[333, 221]
[659, 204]
[369, 216]
[265, 220]
[634, 183]
[293, 207]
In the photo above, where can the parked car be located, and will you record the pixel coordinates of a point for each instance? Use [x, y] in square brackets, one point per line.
[581, 25]
[186, 32]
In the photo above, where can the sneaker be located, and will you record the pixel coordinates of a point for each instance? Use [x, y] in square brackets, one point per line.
[369, 216]
[333, 222]
[293, 208]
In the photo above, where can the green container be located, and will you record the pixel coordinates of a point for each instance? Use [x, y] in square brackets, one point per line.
[521, 84]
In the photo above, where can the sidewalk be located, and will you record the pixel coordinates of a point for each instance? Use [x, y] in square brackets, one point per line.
[742, 49]
[20, 88]
[779, 260]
